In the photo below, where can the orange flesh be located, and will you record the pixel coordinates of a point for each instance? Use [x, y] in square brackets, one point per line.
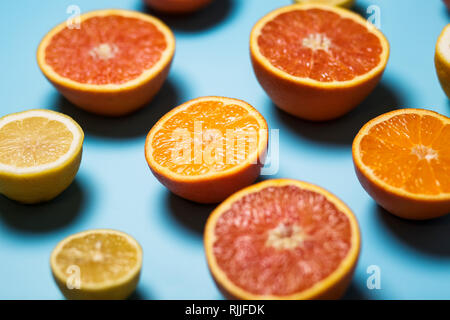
[281, 240]
[106, 50]
[212, 120]
[99, 257]
[320, 45]
[410, 152]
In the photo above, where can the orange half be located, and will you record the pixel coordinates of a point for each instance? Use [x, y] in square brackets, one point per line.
[317, 61]
[111, 63]
[208, 148]
[402, 159]
[282, 239]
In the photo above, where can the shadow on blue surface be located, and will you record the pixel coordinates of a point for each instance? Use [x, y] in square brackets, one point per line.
[354, 293]
[206, 18]
[133, 125]
[429, 236]
[140, 294]
[344, 129]
[191, 215]
[44, 217]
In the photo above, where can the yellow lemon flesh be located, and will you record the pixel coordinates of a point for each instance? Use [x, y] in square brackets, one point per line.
[97, 264]
[340, 3]
[442, 59]
[40, 153]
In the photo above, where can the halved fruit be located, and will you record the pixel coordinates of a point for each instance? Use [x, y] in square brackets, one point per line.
[113, 63]
[317, 61]
[208, 148]
[442, 59]
[282, 239]
[177, 6]
[402, 159]
[97, 264]
[340, 3]
[40, 153]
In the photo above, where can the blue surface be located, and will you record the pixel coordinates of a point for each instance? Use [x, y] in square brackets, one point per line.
[115, 189]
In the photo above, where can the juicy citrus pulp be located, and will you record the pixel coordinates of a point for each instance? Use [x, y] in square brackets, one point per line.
[110, 62]
[209, 121]
[442, 59]
[282, 239]
[107, 263]
[340, 3]
[406, 153]
[40, 152]
[319, 44]
[208, 139]
[109, 49]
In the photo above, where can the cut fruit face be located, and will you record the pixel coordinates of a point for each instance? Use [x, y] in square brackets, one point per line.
[319, 44]
[37, 140]
[443, 44]
[109, 49]
[102, 258]
[206, 137]
[407, 151]
[282, 239]
[442, 59]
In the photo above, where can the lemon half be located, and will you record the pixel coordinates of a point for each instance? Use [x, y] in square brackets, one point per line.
[97, 264]
[40, 153]
[442, 59]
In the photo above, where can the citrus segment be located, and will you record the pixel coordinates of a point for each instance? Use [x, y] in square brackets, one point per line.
[111, 63]
[317, 61]
[442, 59]
[405, 154]
[107, 263]
[40, 153]
[208, 148]
[282, 239]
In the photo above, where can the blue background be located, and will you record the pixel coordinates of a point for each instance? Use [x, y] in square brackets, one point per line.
[115, 189]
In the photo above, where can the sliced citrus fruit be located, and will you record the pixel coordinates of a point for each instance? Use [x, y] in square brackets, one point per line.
[340, 3]
[402, 159]
[442, 59]
[208, 148]
[282, 239]
[97, 264]
[40, 153]
[177, 6]
[112, 63]
[317, 61]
